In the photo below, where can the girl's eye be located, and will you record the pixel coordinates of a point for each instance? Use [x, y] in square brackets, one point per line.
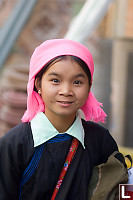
[55, 80]
[77, 82]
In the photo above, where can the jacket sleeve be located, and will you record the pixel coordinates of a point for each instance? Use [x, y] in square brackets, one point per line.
[12, 162]
[9, 170]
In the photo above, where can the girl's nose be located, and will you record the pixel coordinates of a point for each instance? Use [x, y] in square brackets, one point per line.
[66, 90]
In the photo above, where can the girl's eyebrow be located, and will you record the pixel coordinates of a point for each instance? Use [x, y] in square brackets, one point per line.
[80, 75]
[53, 74]
[76, 76]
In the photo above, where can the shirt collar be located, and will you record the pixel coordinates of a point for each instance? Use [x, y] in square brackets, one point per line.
[43, 130]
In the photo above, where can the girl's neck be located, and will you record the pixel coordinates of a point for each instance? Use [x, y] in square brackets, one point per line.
[62, 124]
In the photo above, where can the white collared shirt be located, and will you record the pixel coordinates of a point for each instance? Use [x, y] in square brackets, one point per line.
[43, 130]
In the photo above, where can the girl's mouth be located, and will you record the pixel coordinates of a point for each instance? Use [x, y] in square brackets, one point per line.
[65, 103]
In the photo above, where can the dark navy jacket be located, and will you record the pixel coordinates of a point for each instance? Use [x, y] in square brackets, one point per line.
[17, 149]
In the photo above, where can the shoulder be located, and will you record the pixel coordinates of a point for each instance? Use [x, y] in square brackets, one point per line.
[94, 131]
[19, 133]
[17, 143]
[18, 139]
[98, 141]
[96, 134]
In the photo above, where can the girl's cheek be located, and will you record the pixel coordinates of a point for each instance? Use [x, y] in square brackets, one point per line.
[84, 99]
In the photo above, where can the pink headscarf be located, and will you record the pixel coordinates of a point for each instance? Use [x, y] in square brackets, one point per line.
[41, 56]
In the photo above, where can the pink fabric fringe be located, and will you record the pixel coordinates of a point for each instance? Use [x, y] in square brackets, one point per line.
[92, 110]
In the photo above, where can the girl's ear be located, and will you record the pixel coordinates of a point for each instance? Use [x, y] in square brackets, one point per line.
[38, 84]
[90, 85]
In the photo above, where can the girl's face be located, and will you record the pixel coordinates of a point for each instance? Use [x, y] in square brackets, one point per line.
[64, 89]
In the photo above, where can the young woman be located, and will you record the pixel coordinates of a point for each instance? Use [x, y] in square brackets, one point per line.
[51, 154]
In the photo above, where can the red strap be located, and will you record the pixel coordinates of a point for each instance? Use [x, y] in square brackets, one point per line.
[69, 158]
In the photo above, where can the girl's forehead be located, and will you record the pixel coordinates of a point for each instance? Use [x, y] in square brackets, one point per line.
[65, 65]
[68, 65]
[65, 58]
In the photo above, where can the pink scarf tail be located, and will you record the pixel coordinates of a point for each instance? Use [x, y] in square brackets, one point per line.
[92, 110]
[34, 103]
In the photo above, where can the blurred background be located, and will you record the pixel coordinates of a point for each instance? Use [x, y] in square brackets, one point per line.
[105, 27]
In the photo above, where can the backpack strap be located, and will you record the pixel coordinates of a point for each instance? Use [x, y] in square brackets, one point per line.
[69, 158]
[130, 160]
[32, 165]
[120, 157]
[123, 158]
